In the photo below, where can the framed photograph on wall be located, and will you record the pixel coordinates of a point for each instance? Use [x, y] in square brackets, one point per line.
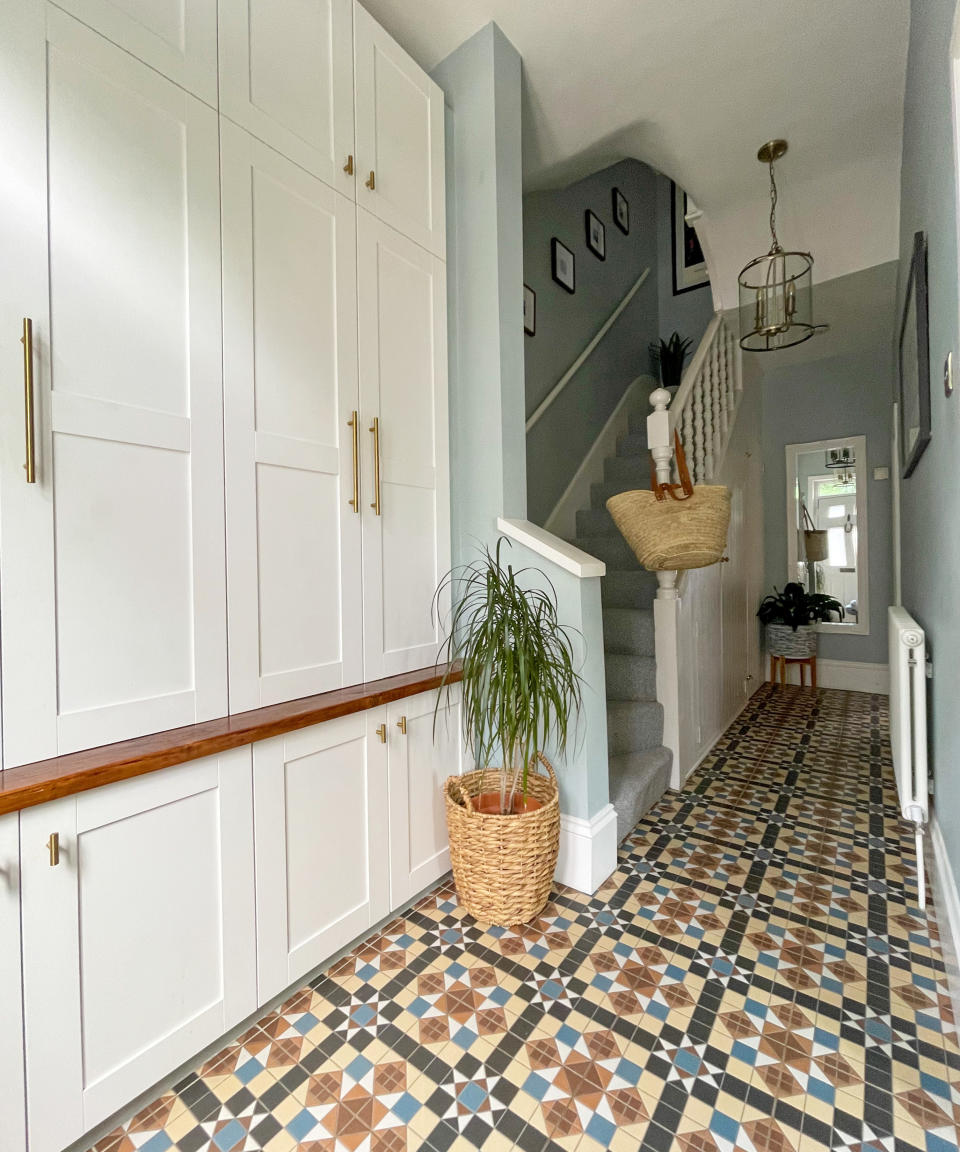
[529, 310]
[689, 264]
[914, 395]
[621, 211]
[596, 234]
[563, 266]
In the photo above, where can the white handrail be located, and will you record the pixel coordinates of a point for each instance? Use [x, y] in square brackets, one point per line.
[678, 403]
[578, 363]
[551, 547]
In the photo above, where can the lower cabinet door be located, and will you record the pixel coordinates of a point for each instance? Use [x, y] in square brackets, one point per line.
[12, 1127]
[423, 753]
[138, 936]
[320, 804]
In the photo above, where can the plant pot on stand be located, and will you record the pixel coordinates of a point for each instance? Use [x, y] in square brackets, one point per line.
[786, 645]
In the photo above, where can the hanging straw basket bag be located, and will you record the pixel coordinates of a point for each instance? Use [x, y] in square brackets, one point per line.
[686, 531]
[815, 545]
[503, 865]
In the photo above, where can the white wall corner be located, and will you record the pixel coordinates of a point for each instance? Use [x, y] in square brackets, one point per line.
[947, 903]
[588, 850]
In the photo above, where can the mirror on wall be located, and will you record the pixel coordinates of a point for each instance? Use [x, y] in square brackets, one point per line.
[827, 525]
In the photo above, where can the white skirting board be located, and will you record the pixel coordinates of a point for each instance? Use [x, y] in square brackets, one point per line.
[588, 850]
[847, 674]
[947, 902]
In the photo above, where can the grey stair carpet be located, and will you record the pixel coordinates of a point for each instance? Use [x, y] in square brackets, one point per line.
[639, 763]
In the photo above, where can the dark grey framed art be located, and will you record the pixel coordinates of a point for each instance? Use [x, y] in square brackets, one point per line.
[913, 409]
[563, 267]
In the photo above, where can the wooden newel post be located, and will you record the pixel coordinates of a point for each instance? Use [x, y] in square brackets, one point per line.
[660, 441]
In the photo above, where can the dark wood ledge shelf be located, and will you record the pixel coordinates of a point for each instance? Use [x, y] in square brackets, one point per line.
[31, 784]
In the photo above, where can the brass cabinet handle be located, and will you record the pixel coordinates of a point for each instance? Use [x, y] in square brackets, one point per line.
[382, 733]
[354, 423]
[371, 181]
[53, 847]
[375, 429]
[348, 167]
[27, 341]
[402, 725]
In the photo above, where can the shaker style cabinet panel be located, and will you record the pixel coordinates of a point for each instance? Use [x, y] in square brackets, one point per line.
[12, 1117]
[400, 146]
[403, 407]
[423, 753]
[138, 936]
[286, 75]
[290, 387]
[178, 40]
[114, 236]
[320, 805]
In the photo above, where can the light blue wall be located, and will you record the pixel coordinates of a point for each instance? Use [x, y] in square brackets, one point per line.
[558, 443]
[481, 81]
[688, 313]
[820, 400]
[930, 499]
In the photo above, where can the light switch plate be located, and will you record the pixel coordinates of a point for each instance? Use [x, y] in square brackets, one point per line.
[881, 473]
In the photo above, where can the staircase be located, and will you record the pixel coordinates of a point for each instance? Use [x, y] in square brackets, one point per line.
[639, 763]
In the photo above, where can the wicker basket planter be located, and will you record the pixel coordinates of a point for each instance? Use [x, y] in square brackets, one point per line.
[799, 645]
[503, 865]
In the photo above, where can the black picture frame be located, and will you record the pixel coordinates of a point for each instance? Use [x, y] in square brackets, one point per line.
[913, 408]
[563, 266]
[529, 310]
[596, 234]
[689, 264]
[621, 211]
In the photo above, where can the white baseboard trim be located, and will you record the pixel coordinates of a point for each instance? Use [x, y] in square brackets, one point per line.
[588, 850]
[847, 674]
[562, 521]
[947, 904]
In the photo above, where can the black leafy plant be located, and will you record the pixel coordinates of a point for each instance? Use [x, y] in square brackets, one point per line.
[669, 356]
[796, 606]
[519, 686]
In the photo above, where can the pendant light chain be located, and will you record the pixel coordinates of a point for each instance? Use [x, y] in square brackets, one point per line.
[775, 247]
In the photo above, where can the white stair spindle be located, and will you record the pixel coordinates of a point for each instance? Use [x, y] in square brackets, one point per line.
[709, 428]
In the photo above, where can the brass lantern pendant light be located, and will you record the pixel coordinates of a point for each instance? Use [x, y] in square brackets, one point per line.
[776, 290]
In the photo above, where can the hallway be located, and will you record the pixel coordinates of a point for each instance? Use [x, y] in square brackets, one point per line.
[754, 976]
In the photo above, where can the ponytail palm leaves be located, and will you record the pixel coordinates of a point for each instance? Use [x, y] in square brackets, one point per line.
[519, 688]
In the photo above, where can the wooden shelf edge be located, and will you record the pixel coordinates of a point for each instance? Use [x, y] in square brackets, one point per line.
[30, 784]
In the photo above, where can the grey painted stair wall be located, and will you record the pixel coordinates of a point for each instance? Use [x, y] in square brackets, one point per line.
[639, 763]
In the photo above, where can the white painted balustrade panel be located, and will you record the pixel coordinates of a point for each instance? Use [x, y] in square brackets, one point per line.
[286, 75]
[403, 383]
[115, 247]
[321, 805]
[290, 388]
[153, 890]
[399, 119]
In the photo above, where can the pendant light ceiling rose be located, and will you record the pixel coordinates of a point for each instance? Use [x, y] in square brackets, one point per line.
[776, 289]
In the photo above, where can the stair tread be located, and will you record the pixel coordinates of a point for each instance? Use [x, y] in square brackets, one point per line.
[637, 781]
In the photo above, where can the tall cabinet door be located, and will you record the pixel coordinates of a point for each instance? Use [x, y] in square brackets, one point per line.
[425, 748]
[114, 255]
[138, 938]
[286, 75]
[399, 117]
[12, 1114]
[403, 402]
[290, 364]
[320, 804]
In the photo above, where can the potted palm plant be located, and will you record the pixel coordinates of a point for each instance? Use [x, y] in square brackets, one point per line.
[669, 356]
[519, 693]
[791, 618]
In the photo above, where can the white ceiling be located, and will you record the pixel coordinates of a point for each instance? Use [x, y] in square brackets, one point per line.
[693, 87]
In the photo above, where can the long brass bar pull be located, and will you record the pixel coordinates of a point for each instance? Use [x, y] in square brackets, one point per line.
[354, 423]
[27, 341]
[53, 847]
[375, 429]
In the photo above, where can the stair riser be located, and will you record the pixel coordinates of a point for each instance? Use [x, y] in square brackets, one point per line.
[632, 470]
[633, 444]
[633, 726]
[595, 522]
[612, 550]
[631, 677]
[628, 632]
[637, 782]
[625, 589]
[601, 493]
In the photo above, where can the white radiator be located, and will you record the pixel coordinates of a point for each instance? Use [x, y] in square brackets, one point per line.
[908, 724]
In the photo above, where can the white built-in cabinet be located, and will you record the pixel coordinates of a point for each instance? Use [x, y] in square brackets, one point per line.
[12, 1118]
[138, 936]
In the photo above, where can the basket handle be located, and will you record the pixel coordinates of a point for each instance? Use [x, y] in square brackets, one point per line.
[686, 484]
[464, 796]
[549, 767]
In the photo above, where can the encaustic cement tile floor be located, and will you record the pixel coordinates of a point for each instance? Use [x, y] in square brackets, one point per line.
[756, 975]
